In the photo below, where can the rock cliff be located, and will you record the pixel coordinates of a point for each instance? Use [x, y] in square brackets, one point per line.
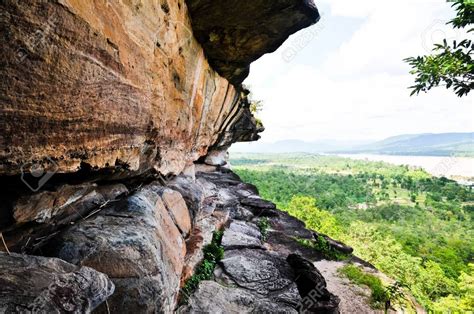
[139, 249]
[116, 85]
[115, 120]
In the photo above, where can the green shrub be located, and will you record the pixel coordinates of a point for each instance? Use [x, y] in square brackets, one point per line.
[322, 246]
[379, 295]
[263, 225]
[213, 253]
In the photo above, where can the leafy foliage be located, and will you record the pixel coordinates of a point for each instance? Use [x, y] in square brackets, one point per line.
[464, 13]
[462, 302]
[263, 225]
[450, 64]
[322, 246]
[256, 107]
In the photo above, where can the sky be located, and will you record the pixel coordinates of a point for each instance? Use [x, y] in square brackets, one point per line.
[344, 78]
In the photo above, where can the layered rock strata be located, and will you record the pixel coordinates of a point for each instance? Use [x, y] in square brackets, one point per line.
[125, 86]
[108, 85]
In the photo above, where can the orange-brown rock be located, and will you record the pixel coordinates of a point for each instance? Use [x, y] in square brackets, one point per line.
[106, 83]
[124, 85]
[178, 210]
[45, 206]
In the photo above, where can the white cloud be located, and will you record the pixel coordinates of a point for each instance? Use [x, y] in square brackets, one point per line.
[392, 31]
[350, 8]
[360, 91]
[364, 8]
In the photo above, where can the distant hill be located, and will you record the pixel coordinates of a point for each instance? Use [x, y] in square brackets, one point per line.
[296, 146]
[429, 144]
[442, 144]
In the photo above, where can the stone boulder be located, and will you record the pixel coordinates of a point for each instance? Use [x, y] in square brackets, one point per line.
[212, 297]
[261, 272]
[312, 287]
[178, 210]
[31, 284]
[39, 217]
[259, 206]
[67, 201]
[217, 157]
[191, 191]
[137, 244]
[242, 234]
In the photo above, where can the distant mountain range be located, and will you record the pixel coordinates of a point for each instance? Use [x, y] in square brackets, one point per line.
[428, 144]
[296, 146]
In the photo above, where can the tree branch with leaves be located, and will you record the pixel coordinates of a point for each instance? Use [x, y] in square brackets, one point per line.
[450, 65]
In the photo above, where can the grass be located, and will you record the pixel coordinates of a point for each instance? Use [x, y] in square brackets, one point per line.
[322, 246]
[379, 294]
[213, 252]
[263, 225]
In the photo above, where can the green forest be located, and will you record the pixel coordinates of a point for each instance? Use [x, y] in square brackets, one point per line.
[416, 228]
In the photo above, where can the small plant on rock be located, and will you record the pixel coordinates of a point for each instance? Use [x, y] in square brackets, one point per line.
[263, 225]
[379, 295]
[322, 246]
[213, 253]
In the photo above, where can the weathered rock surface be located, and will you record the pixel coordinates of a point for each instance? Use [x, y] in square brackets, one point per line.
[212, 297]
[178, 210]
[135, 75]
[118, 85]
[137, 244]
[235, 33]
[217, 157]
[242, 235]
[39, 217]
[191, 192]
[242, 126]
[45, 206]
[150, 242]
[312, 287]
[30, 284]
[261, 272]
[254, 276]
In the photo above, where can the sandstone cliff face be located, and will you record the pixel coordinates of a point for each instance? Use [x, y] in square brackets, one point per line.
[110, 84]
[108, 110]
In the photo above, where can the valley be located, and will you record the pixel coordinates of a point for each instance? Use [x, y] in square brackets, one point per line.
[416, 228]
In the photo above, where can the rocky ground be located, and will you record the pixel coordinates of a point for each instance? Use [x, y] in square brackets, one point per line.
[251, 277]
[134, 251]
[254, 274]
[354, 299]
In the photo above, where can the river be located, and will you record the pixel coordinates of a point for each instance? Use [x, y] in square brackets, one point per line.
[460, 169]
